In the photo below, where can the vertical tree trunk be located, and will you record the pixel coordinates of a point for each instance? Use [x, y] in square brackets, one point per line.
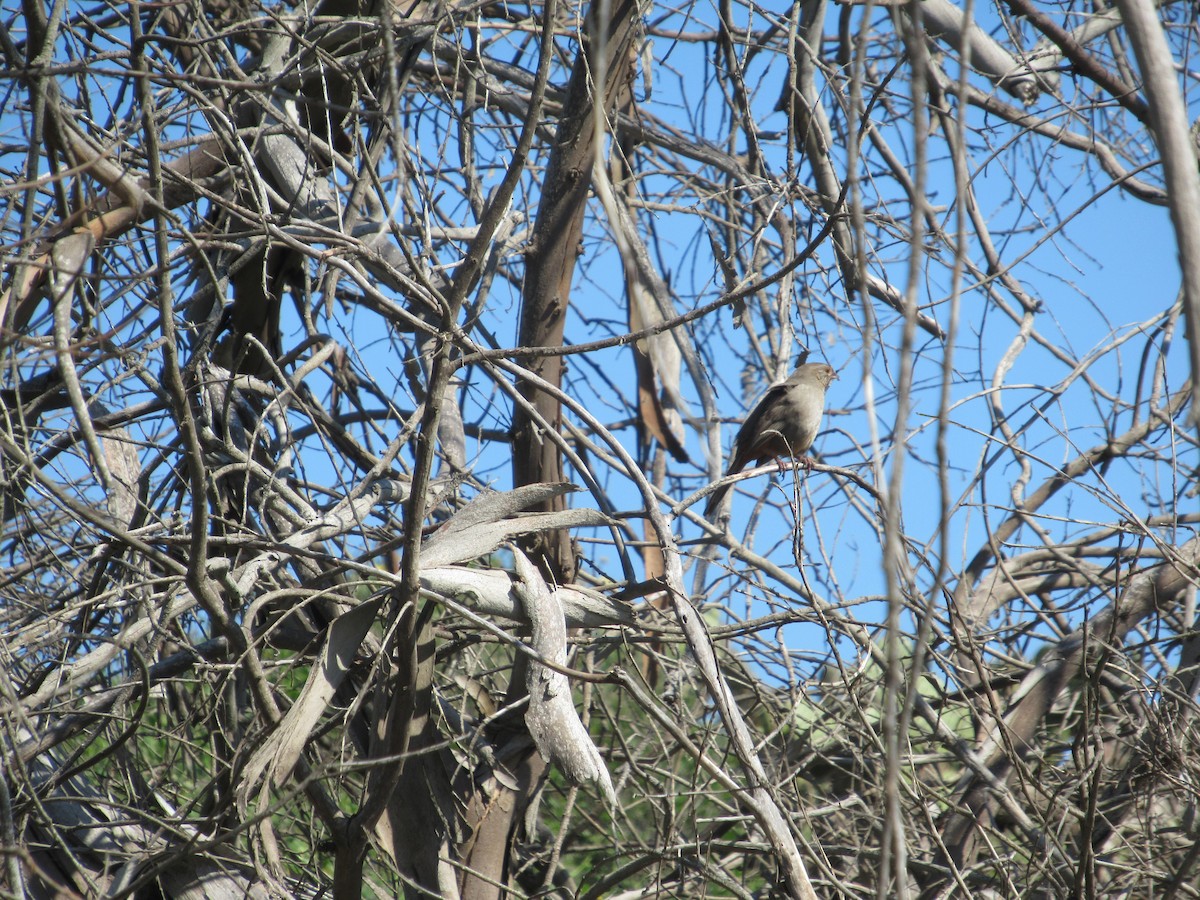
[550, 263]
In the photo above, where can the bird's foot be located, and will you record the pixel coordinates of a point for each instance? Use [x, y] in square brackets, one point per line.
[798, 462]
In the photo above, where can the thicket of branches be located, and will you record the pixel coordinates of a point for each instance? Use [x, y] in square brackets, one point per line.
[366, 368]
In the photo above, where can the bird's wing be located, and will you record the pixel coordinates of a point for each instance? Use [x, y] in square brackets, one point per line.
[752, 427]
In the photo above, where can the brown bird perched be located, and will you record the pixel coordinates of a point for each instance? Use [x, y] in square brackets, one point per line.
[784, 422]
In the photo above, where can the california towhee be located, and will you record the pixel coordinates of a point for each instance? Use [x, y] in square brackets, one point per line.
[783, 423]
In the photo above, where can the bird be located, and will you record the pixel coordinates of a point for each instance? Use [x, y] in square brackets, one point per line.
[783, 423]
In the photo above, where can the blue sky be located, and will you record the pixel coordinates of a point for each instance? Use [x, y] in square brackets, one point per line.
[1110, 268]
